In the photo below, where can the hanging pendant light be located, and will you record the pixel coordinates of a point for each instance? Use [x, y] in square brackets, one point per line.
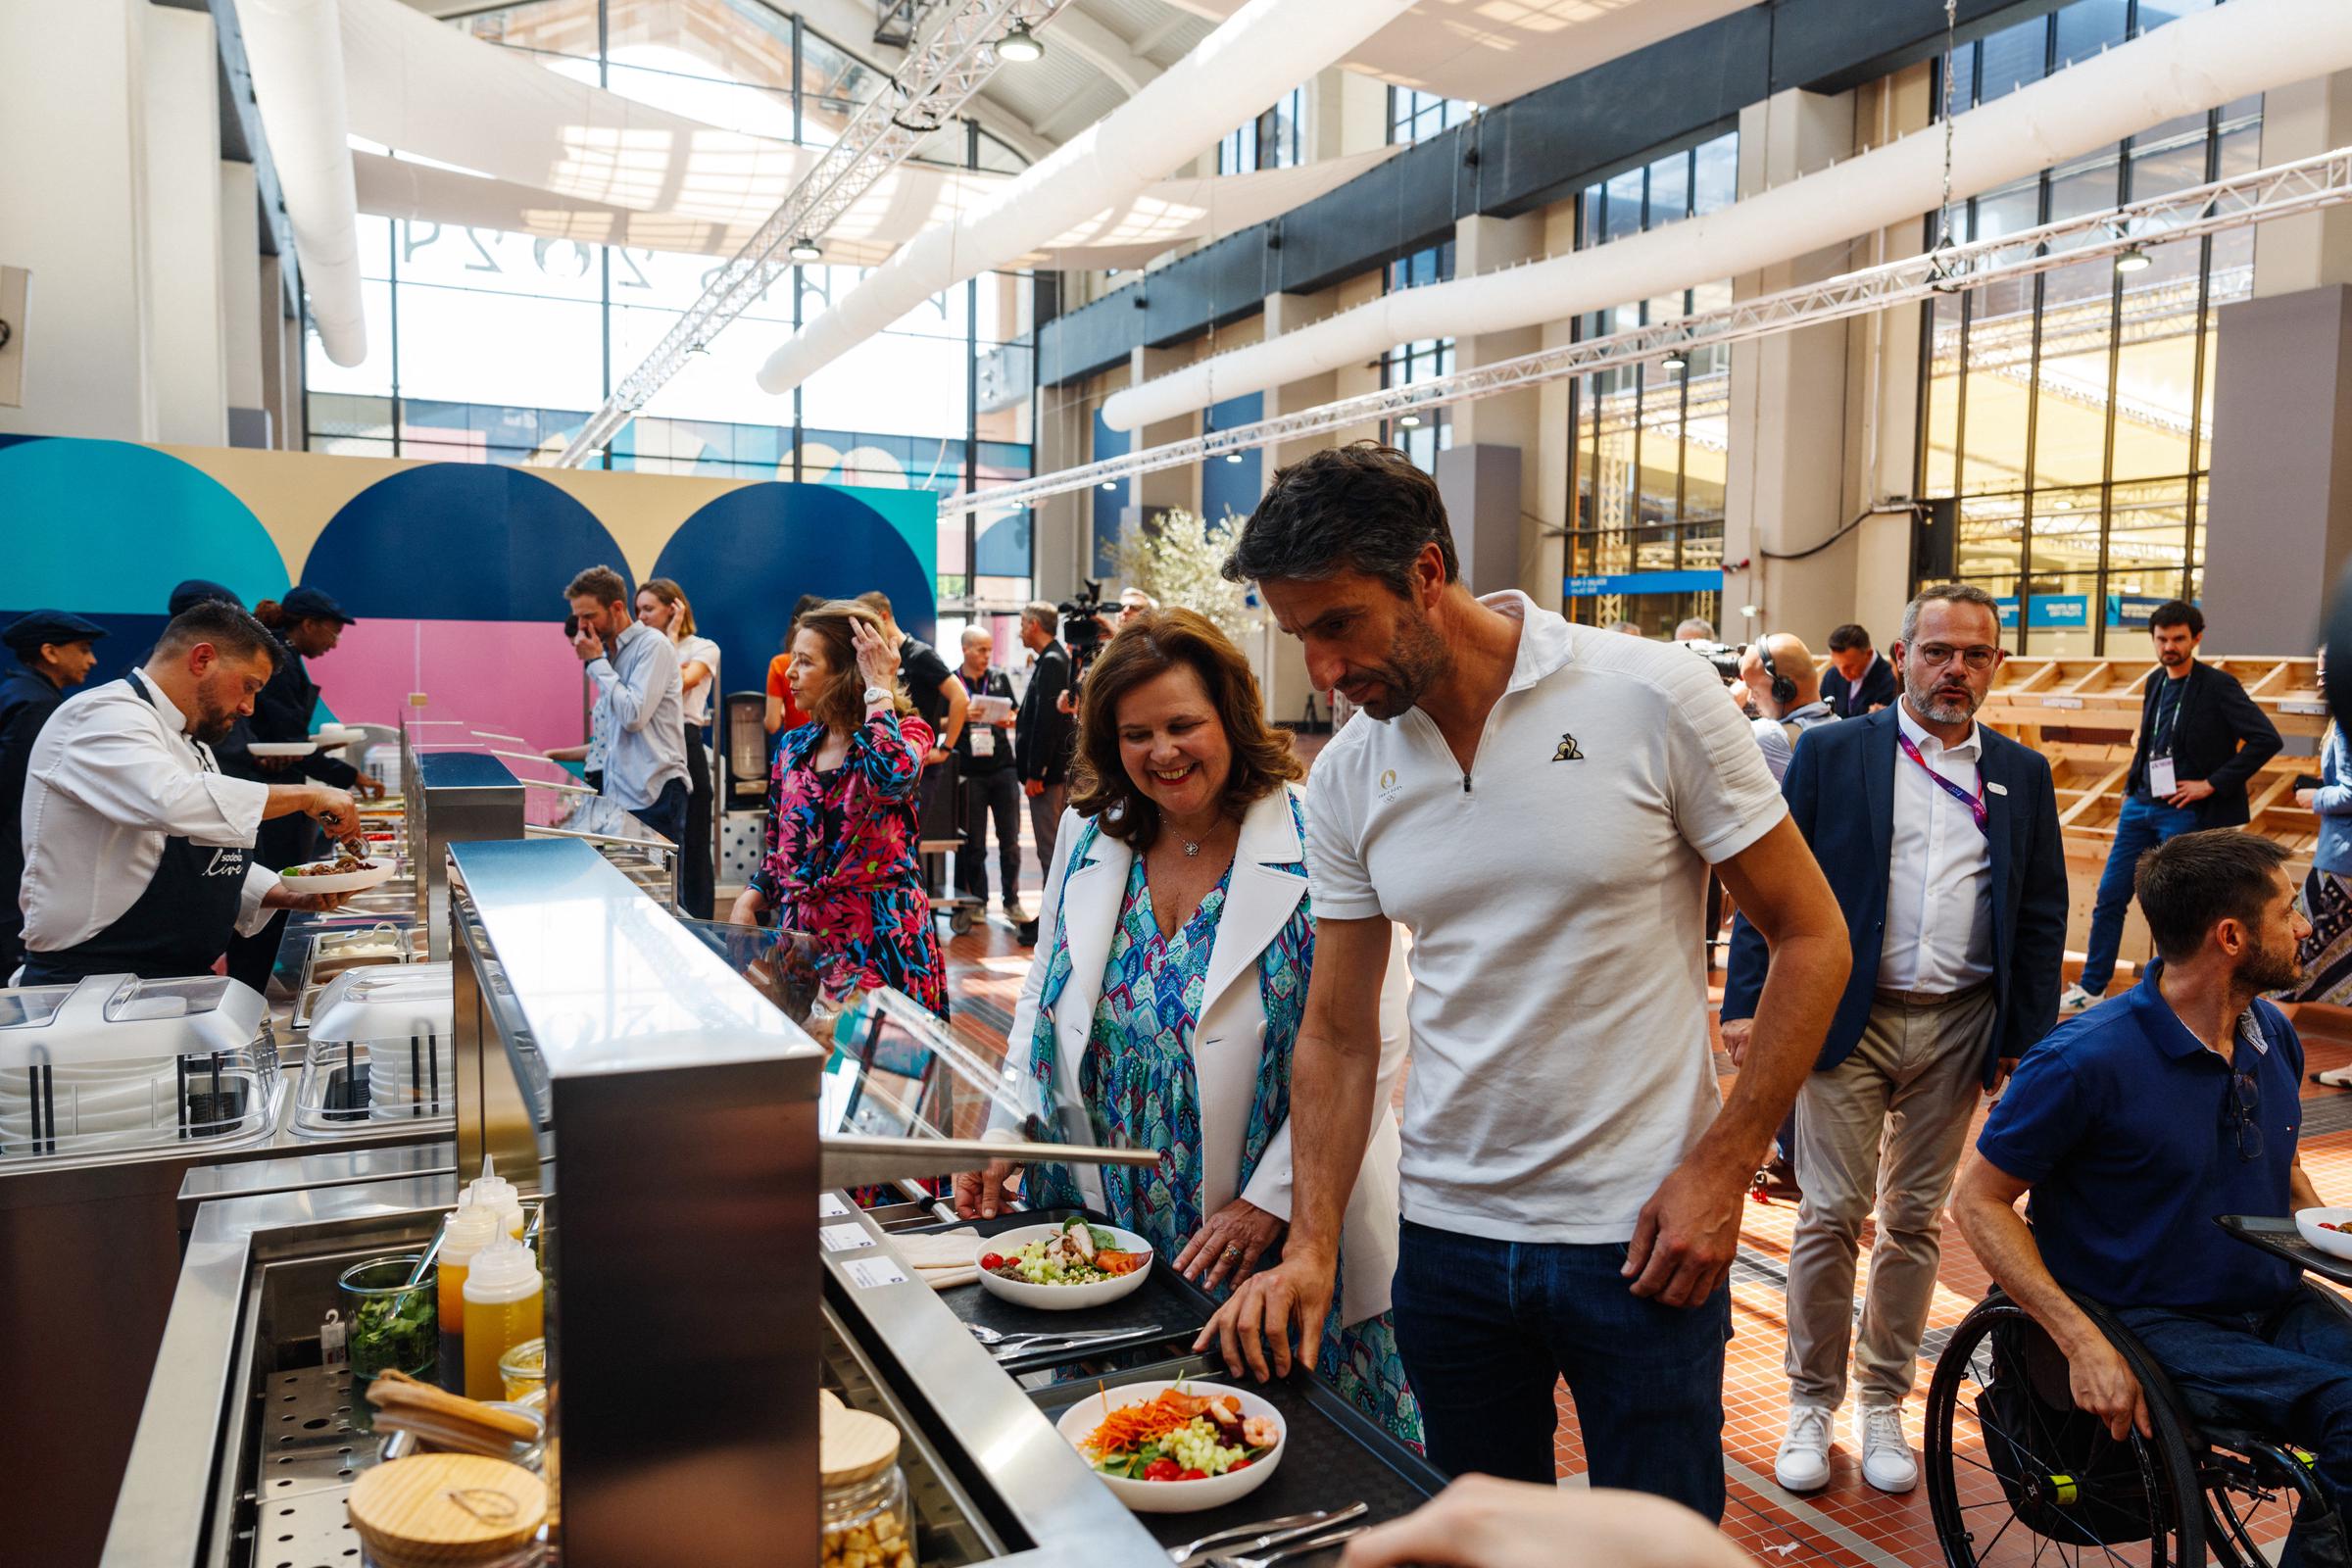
[1019, 46]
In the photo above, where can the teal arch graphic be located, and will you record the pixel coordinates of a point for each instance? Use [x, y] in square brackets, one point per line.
[108, 527]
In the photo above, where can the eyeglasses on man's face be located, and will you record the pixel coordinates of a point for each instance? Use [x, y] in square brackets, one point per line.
[1977, 656]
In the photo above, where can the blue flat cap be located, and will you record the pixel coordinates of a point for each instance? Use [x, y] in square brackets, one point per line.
[195, 591]
[305, 604]
[26, 633]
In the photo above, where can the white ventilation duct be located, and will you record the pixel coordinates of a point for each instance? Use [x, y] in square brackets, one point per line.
[2195, 63]
[295, 48]
[1261, 52]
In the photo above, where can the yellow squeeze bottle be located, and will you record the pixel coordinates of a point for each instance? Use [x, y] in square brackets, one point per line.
[505, 1300]
[463, 1234]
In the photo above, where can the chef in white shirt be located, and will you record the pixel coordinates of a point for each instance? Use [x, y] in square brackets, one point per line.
[136, 844]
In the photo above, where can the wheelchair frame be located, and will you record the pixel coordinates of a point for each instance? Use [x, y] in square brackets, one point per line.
[2188, 1491]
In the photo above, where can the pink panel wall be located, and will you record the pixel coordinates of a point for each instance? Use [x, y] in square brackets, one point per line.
[516, 678]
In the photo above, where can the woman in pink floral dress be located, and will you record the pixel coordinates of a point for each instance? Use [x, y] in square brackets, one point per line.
[839, 860]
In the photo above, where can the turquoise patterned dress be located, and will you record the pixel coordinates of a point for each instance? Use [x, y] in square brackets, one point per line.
[1137, 1078]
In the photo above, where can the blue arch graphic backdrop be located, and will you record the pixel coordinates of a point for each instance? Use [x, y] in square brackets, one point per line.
[108, 528]
[458, 541]
[746, 556]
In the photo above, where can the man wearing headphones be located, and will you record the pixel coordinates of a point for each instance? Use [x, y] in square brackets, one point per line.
[1786, 688]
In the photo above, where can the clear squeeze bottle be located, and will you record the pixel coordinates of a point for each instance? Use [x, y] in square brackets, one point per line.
[495, 1193]
[504, 1306]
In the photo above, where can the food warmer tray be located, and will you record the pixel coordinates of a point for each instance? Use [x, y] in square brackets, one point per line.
[381, 1054]
[1166, 1298]
[1335, 1457]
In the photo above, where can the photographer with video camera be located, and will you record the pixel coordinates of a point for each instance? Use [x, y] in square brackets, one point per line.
[1042, 732]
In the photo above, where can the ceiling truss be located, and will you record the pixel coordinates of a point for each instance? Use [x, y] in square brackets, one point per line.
[2260, 196]
[930, 85]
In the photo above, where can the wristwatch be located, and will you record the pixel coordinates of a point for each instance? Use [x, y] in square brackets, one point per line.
[876, 693]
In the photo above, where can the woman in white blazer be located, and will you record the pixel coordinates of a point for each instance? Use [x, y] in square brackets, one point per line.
[1170, 978]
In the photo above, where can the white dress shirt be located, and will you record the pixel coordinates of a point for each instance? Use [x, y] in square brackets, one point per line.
[1938, 872]
[640, 711]
[112, 777]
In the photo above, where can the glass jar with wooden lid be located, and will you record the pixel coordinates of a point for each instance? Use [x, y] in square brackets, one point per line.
[867, 1523]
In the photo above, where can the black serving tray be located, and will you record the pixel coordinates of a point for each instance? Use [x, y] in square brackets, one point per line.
[1334, 1456]
[2277, 1235]
[1166, 1298]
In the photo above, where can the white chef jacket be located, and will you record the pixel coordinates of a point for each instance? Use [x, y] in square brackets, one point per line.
[1938, 872]
[112, 776]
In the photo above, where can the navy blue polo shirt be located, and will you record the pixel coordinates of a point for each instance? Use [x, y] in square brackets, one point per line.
[2127, 1129]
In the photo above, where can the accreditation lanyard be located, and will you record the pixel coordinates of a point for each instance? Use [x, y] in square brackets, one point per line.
[1974, 803]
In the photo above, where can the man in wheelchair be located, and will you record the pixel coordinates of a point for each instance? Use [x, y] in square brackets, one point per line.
[2132, 1126]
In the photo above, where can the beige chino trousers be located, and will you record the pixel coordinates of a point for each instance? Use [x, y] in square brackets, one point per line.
[1882, 1129]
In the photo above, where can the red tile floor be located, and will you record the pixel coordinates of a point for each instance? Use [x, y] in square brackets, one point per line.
[1849, 1523]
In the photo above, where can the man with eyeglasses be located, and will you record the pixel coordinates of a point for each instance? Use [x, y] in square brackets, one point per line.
[1951, 876]
[2131, 1127]
[2201, 739]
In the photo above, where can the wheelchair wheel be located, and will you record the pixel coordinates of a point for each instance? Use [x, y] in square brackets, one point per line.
[2252, 1489]
[2017, 1475]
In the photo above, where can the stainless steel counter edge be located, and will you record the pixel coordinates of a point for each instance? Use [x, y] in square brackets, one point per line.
[1061, 1505]
[161, 1513]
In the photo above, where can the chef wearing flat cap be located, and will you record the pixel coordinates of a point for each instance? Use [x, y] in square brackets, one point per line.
[53, 653]
[306, 623]
[136, 846]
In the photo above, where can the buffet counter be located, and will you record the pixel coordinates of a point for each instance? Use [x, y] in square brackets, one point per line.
[692, 1153]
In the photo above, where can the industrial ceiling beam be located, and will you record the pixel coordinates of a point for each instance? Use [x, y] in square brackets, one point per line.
[2260, 196]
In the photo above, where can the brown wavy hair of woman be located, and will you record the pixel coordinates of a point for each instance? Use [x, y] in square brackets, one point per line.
[840, 699]
[671, 593]
[1145, 649]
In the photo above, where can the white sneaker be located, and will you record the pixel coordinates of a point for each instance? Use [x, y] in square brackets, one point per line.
[2074, 999]
[1803, 1463]
[1887, 1461]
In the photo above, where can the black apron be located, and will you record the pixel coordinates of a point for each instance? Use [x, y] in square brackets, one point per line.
[180, 925]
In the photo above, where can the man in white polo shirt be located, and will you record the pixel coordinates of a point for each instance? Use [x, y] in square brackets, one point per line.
[1539, 804]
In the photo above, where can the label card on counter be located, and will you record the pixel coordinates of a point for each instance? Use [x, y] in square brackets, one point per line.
[830, 1206]
[2062, 701]
[844, 1238]
[869, 1273]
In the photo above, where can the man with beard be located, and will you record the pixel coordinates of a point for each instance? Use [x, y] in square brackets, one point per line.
[1538, 803]
[2201, 739]
[2131, 1127]
[136, 844]
[1952, 877]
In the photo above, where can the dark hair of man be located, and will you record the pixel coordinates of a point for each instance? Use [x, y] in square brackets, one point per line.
[1145, 649]
[1849, 638]
[2189, 884]
[876, 600]
[2178, 612]
[600, 582]
[232, 633]
[1359, 508]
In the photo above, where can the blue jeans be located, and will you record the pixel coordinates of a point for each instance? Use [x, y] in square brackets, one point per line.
[1487, 1328]
[2141, 825]
[668, 814]
[2285, 1373]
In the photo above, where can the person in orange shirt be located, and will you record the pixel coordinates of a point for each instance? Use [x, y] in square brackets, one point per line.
[783, 713]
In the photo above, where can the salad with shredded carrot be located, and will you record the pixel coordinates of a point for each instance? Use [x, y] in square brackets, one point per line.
[1176, 1435]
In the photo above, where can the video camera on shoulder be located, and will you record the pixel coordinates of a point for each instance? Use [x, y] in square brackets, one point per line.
[1081, 630]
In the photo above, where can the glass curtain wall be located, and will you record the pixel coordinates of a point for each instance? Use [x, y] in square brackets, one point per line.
[1275, 139]
[1413, 113]
[2069, 415]
[1651, 445]
[1422, 436]
[494, 347]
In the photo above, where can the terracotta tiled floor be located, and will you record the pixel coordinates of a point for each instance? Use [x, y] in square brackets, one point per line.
[1848, 1523]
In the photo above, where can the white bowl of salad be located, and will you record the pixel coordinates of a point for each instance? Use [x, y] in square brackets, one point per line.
[1064, 1266]
[1177, 1448]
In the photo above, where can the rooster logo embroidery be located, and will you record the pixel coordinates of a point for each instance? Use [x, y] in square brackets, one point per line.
[1567, 752]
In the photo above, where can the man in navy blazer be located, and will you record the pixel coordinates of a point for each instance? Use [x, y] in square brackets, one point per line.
[1948, 865]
